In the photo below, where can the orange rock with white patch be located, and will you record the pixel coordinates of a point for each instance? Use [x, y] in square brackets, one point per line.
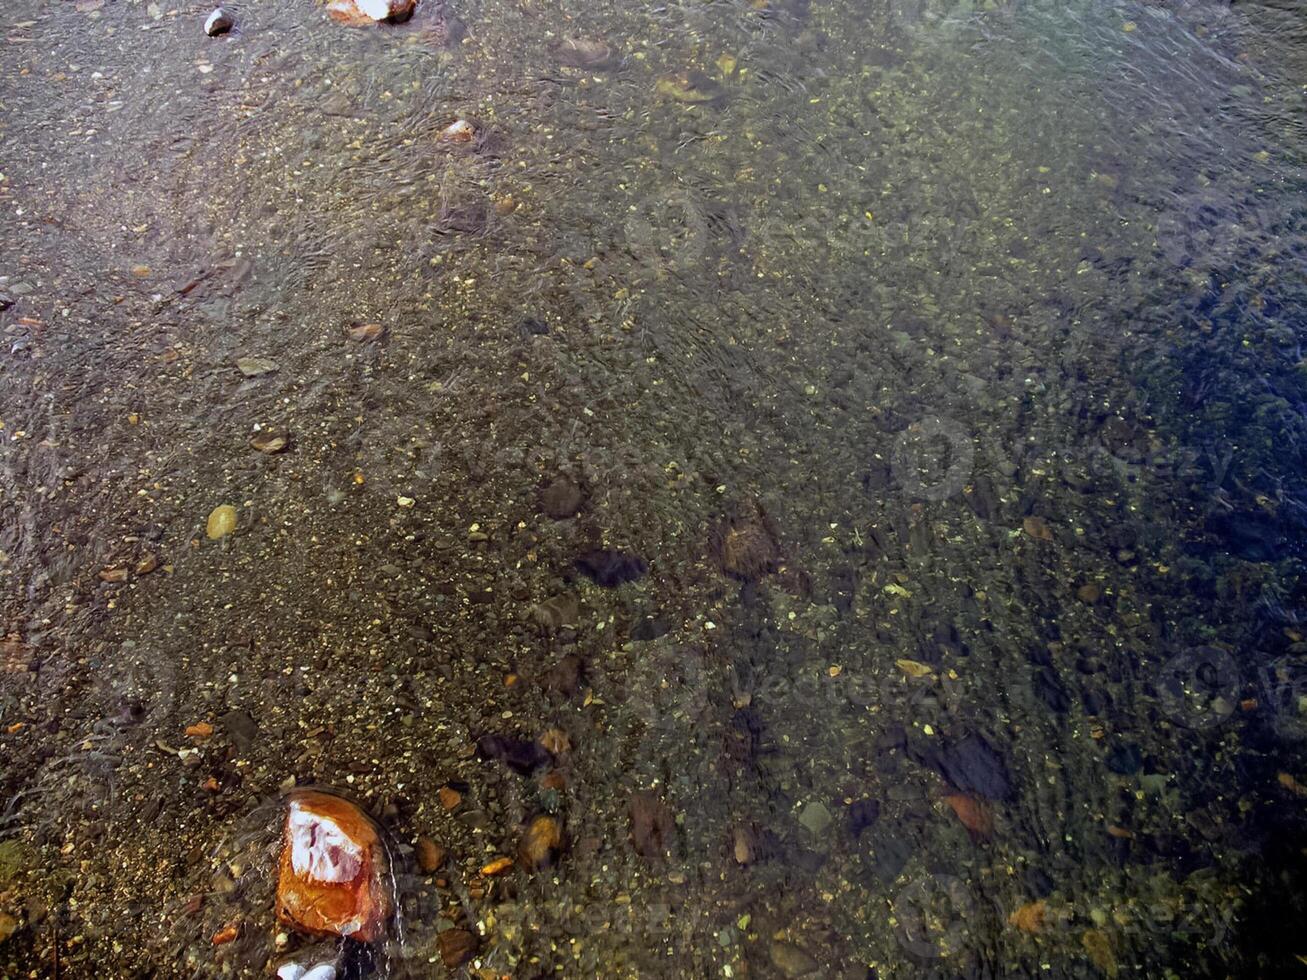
[333, 876]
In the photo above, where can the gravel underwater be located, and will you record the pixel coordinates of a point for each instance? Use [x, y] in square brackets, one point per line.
[596, 489]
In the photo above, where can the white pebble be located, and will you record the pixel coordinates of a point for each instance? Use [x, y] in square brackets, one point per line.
[376, 9]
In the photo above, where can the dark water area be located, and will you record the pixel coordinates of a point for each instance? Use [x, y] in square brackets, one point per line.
[842, 463]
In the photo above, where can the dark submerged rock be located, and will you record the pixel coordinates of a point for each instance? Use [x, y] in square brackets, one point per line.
[862, 815]
[611, 568]
[973, 766]
[651, 825]
[650, 628]
[523, 756]
[564, 677]
[1125, 760]
[561, 499]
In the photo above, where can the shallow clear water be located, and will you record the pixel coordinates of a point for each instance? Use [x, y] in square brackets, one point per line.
[933, 368]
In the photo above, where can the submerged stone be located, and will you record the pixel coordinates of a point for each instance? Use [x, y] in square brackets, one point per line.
[580, 52]
[611, 568]
[973, 766]
[222, 521]
[561, 499]
[652, 826]
[459, 131]
[218, 22]
[254, 367]
[816, 818]
[457, 946]
[364, 13]
[269, 443]
[523, 756]
[332, 879]
[541, 844]
[792, 960]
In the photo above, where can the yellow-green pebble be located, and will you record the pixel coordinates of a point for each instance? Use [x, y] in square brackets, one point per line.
[222, 521]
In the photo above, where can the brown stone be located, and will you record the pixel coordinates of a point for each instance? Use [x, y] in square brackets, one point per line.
[1029, 917]
[201, 729]
[449, 797]
[459, 131]
[1037, 528]
[496, 867]
[364, 332]
[556, 741]
[541, 844]
[561, 499]
[974, 813]
[333, 878]
[651, 825]
[269, 443]
[564, 677]
[430, 855]
[746, 547]
[457, 946]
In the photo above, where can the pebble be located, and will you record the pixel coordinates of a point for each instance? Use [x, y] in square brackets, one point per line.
[791, 960]
[652, 825]
[523, 756]
[973, 766]
[269, 443]
[555, 613]
[386, 9]
[816, 818]
[457, 946]
[863, 814]
[542, 843]
[747, 549]
[222, 521]
[218, 22]
[561, 499]
[253, 367]
[556, 741]
[611, 568]
[430, 855]
[1037, 528]
[364, 332]
[201, 729]
[459, 131]
[583, 52]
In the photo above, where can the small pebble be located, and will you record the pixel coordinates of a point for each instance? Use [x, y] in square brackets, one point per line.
[219, 22]
[222, 521]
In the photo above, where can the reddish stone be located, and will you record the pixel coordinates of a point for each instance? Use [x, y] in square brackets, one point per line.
[333, 876]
